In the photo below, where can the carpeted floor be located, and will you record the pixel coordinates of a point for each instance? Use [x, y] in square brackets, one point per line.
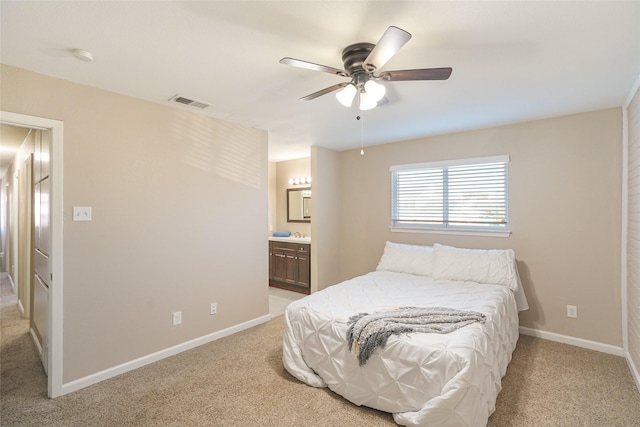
[239, 381]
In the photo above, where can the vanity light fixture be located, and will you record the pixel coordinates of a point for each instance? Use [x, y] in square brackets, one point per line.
[300, 181]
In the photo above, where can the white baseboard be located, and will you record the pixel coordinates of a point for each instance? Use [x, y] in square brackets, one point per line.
[21, 308]
[36, 341]
[635, 373]
[13, 285]
[159, 355]
[578, 342]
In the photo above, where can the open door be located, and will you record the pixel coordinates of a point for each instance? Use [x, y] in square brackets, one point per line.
[24, 279]
[41, 244]
[48, 245]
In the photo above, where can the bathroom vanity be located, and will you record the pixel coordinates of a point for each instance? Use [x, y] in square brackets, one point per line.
[290, 264]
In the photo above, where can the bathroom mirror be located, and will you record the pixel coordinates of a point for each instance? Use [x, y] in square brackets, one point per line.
[299, 204]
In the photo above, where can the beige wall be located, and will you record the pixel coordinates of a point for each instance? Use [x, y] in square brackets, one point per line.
[285, 170]
[10, 230]
[564, 206]
[4, 205]
[272, 208]
[10, 188]
[327, 209]
[179, 215]
[633, 235]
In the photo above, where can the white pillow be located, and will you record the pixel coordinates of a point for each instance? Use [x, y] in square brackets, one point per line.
[493, 266]
[403, 258]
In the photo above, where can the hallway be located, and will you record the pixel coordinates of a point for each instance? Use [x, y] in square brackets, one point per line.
[21, 373]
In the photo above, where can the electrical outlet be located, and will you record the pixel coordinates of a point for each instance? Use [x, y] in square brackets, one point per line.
[177, 318]
[214, 308]
[572, 311]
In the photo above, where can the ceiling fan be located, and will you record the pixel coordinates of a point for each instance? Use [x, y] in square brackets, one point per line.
[361, 62]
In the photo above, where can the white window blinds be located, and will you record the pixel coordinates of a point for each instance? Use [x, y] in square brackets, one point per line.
[459, 194]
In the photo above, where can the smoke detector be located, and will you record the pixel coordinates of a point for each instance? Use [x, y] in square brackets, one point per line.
[189, 102]
[82, 55]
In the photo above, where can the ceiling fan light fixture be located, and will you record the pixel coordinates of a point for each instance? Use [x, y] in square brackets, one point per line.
[346, 94]
[374, 90]
[366, 102]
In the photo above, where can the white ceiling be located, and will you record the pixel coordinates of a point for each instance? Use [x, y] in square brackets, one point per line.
[512, 61]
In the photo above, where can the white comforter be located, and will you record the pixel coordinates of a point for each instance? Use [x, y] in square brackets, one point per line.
[423, 379]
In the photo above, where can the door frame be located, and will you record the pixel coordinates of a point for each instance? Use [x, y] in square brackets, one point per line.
[55, 345]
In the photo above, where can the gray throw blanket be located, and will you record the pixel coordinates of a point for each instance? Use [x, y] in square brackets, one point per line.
[367, 332]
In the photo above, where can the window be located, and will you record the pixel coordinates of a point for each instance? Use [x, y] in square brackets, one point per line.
[459, 196]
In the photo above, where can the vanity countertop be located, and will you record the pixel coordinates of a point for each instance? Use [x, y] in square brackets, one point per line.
[291, 239]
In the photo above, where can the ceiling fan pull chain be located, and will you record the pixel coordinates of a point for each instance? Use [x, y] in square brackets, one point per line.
[361, 119]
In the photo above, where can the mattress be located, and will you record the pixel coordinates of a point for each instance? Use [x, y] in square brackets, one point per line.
[424, 379]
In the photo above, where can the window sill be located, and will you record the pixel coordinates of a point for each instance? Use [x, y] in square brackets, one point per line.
[455, 231]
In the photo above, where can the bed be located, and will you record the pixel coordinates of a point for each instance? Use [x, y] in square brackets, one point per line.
[424, 379]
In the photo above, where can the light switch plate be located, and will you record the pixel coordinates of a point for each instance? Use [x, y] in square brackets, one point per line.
[82, 213]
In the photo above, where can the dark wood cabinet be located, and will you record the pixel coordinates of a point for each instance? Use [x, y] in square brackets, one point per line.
[290, 266]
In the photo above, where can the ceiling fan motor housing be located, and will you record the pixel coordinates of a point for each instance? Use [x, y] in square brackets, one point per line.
[353, 57]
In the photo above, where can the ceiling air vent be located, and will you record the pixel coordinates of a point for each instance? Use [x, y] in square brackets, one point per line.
[190, 102]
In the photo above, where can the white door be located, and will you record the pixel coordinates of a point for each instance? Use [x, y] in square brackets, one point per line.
[42, 245]
[25, 241]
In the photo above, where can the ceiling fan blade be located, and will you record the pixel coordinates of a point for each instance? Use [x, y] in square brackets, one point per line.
[323, 92]
[383, 101]
[420, 74]
[390, 43]
[314, 67]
